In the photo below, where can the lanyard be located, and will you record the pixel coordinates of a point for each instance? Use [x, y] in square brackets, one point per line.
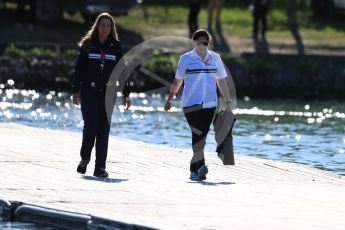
[102, 55]
[102, 60]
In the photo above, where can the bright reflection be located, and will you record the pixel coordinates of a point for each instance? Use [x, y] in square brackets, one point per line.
[311, 120]
[268, 137]
[319, 120]
[35, 96]
[10, 82]
[246, 98]
[260, 112]
[298, 137]
[8, 114]
[9, 95]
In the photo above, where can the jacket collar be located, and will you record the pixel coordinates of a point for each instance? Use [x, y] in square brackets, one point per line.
[102, 45]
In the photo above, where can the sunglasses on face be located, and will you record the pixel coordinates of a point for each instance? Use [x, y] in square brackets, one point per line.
[203, 43]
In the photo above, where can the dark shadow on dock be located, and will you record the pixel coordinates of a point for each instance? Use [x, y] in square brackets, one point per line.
[105, 180]
[208, 183]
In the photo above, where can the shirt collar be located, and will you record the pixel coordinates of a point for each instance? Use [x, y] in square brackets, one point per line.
[195, 55]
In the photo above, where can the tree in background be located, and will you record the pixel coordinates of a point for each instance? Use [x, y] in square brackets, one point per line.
[292, 21]
[292, 13]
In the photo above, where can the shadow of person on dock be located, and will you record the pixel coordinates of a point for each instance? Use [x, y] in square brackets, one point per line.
[208, 183]
[104, 180]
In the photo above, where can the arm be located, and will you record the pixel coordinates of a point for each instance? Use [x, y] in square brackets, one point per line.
[126, 99]
[224, 90]
[78, 75]
[175, 86]
[126, 90]
[222, 84]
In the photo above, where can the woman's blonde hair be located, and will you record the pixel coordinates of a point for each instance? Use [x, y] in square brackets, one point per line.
[93, 32]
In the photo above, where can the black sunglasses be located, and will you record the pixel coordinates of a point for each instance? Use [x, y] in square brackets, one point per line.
[204, 43]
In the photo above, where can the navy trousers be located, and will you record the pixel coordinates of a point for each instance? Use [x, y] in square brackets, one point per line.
[96, 126]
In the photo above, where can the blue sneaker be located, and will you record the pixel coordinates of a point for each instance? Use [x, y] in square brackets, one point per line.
[203, 170]
[194, 176]
[200, 175]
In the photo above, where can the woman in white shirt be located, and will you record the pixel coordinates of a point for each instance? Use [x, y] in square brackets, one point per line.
[202, 71]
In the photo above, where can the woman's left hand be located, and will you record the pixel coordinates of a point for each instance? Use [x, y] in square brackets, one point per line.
[127, 102]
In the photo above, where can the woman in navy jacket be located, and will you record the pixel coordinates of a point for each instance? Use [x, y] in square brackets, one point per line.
[100, 50]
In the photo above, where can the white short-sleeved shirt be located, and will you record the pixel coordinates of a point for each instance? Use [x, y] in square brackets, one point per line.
[200, 78]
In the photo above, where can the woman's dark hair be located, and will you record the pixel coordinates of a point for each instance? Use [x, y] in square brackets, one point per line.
[201, 33]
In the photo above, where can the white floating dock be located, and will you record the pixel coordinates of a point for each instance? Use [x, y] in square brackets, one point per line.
[148, 185]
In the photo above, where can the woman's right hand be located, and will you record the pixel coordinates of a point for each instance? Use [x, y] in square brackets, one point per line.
[167, 106]
[76, 98]
[228, 107]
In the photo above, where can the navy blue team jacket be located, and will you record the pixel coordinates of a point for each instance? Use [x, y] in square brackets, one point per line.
[88, 70]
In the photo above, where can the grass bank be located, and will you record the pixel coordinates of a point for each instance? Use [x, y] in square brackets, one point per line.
[155, 19]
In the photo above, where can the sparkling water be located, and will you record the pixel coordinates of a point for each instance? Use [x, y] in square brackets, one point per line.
[311, 133]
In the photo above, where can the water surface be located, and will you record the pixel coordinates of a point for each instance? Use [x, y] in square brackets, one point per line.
[311, 133]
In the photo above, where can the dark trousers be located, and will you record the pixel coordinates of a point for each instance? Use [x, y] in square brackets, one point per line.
[22, 16]
[194, 8]
[96, 126]
[260, 15]
[199, 121]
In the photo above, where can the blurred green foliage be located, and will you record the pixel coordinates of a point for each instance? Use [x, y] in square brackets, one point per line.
[162, 17]
[238, 3]
[15, 51]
